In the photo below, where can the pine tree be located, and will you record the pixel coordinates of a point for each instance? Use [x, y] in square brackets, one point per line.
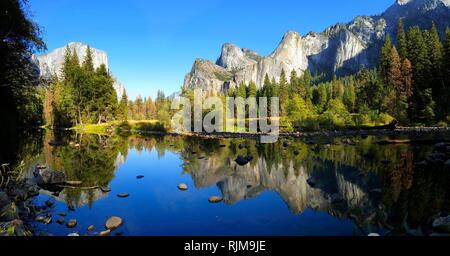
[385, 59]
[293, 80]
[437, 83]
[283, 92]
[123, 107]
[406, 91]
[251, 89]
[418, 55]
[402, 39]
[242, 90]
[88, 63]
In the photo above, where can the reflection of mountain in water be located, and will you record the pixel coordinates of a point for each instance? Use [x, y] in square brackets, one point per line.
[243, 182]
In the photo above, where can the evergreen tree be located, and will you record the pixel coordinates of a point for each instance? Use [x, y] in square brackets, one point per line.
[420, 110]
[123, 107]
[88, 63]
[402, 39]
[283, 92]
[437, 83]
[385, 59]
[251, 89]
[242, 90]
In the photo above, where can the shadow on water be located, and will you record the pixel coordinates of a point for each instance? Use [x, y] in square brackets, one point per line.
[378, 188]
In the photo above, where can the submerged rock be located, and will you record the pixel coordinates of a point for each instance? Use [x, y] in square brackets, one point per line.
[123, 195]
[91, 228]
[71, 223]
[105, 189]
[182, 187]
[73, 234]
[50, 202]
[140, 177]
[60, 220]
[105, 233]
[113, 223]
[215, 199]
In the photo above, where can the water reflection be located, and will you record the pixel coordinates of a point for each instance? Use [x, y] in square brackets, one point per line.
[378, 187]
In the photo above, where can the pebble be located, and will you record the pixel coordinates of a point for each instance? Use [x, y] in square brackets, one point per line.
[60, 221]
[105, 233]
[91, 228]
[182, 187]
[50, 202]
[123, 195]
[215, 199]
[71, 223]
[62, 214]
[113, 223]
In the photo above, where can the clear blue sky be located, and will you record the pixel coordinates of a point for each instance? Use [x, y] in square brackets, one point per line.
[152, 44]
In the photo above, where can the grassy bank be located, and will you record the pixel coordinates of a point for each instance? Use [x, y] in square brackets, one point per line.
[121, 127]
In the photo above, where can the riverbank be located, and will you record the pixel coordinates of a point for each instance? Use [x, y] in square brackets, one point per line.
[153, 127]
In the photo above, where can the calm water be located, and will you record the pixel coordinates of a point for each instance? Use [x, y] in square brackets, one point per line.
[359, 186]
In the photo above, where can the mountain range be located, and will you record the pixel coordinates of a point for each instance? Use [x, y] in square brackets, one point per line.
[52, 63]
[341, 49]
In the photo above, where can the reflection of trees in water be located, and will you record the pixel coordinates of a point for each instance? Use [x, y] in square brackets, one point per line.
[91, 159]
[377, 184]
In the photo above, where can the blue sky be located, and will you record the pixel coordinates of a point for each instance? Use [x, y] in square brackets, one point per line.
[151, 45]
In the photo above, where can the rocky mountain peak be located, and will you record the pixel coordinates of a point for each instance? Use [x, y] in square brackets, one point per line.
[52, 63]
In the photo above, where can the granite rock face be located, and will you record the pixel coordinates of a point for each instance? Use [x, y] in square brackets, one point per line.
[52, 63]
[342, 48]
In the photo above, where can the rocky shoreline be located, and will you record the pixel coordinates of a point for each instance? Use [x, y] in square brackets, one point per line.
[401, 131]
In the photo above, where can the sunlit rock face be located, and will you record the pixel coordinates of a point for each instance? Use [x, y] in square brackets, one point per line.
[51, 64]
[342, 48]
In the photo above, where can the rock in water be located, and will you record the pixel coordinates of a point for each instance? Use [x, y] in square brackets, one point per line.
[71, 223]
[91, 228]
[140, 177]
[105, 233]
[113, 223]
[73, 234]
[182, 187]
[123, 195]
[50, 202]
[105, 189]
[60, 221]
[215, 199]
